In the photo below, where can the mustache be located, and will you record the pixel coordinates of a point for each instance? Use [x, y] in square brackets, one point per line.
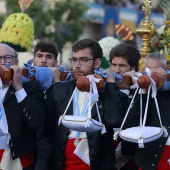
[42, 65]
[77, 70]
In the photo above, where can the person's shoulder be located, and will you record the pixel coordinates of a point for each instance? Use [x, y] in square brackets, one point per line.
[29, 83]
[64, 84]
[60, 90]
[32, 85]
[60, 86]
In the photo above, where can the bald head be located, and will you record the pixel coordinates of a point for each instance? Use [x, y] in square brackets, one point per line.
[7, 50]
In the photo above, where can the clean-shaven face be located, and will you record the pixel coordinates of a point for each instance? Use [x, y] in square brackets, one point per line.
[44, 59]
[120, 65]
[153, 63]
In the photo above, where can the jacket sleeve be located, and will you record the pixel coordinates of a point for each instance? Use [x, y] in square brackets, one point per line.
[32, 107]
[115, 105]
[45, 154]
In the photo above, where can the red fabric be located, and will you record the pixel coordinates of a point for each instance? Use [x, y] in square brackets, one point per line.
[71, 160]
[129, 164]
[163, 164]
[116, 143]
[26, 160]
[1, 154]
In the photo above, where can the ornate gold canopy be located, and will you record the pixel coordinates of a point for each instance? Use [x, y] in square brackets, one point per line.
[146, 31]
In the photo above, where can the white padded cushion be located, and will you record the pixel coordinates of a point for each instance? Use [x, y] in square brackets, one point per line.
[134, 134]
[80, 123]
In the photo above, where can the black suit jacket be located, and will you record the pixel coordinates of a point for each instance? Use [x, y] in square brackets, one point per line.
[101, 150]
[148, 157]
[23, 118]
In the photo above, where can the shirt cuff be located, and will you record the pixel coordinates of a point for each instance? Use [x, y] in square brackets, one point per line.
[20, 95]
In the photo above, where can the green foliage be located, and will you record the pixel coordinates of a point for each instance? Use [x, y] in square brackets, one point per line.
[71, 27]
[49, 23]
[105, 64]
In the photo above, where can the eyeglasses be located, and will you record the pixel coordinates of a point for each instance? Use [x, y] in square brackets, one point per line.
[74, 60]
[7, 58]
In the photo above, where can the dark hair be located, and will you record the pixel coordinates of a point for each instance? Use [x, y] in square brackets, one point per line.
[94, 46]
[46, 47]
[128, 52]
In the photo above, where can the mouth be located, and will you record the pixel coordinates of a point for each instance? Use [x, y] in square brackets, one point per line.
[78, 72]
[42, 65]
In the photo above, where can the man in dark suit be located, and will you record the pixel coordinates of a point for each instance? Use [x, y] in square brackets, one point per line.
[155, 155]
[124, 59]
[24, 109]
[57, 144]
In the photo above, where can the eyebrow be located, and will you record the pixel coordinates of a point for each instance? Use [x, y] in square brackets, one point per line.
[84, 57]
[45, 55]
[119, 64]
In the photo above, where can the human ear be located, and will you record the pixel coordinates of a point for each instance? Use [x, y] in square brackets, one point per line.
[55, 63]
[97, 63]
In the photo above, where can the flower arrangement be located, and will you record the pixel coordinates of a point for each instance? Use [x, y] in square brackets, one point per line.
[18, 32]
[161, 42]
[106, 44]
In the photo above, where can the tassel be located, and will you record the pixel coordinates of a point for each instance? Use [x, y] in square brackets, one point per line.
[168, 161]
[103, 129]
[86, 123]
[116, 135]
[140, 143]
[165, 131]
[8, 138]
[60, 120]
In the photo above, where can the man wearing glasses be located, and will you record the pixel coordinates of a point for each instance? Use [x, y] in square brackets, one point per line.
[8, 57]
[21, 113]
[57, 145]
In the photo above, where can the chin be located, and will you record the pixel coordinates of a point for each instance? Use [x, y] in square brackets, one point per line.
[76, 76]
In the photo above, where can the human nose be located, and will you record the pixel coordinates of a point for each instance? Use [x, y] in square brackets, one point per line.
[43, 60]
[77, 63]
[2, 61]
[117, 69]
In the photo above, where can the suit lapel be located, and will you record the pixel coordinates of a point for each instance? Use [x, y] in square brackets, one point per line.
[10, 93]
[70, 108]
[67, 99]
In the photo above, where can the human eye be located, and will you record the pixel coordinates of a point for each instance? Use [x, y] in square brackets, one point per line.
[123, 65]
[113, 64]
[74, 59]
[8, 57]
[49, 56]
[83, 60]
[39, 55]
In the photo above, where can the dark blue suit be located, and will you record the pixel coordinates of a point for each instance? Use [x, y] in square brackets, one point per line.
[101, 150]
